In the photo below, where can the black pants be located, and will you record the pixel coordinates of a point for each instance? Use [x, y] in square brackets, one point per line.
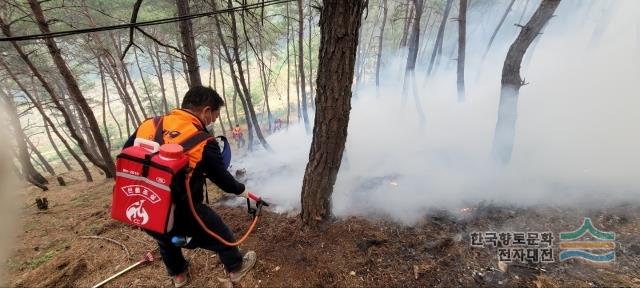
[172, 255]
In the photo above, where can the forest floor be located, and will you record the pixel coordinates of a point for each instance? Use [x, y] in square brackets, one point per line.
[352, 252]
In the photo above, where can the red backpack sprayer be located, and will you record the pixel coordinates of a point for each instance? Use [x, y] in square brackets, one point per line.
[145, 173]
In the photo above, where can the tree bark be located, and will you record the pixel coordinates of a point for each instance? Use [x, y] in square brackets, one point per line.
[512, 81]
[339, 25]
[74, 90]
[437, 47]
[462, 34]
[385, 10]
[189, 44]
[305, 116]
[495, 32]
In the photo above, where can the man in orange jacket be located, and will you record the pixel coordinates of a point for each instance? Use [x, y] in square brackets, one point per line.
[200, 109]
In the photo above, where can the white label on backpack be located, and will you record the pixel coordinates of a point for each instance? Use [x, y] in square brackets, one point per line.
[136, 213]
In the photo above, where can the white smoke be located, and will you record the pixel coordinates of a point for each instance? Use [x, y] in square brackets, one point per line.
[576, 136]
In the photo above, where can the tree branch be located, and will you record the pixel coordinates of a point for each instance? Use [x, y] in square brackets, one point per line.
[134, 17]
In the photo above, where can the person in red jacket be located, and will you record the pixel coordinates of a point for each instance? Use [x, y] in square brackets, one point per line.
[200, 109]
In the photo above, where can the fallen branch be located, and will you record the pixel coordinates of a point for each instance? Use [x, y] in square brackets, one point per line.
[126, 250]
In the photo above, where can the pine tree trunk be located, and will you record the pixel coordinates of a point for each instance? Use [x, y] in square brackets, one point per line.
[189, 44]
[414, 39]
[245, 88]
[495, 32]
[57, 100]
[122, 91]
[74, 90]
[45, 163]
[144, 84]
[288, 66]
[158, 70]
[305, 116]
[47, 130]
[385, 10]
[407, 24]
[232, 71]
[512, 81]
[126, 76]
[310, 60]
[339, 25]
[462, 34]
[27, 170]
[173, 77]
[103, 85]
[63, 159]
[437, 47]
[224, 90]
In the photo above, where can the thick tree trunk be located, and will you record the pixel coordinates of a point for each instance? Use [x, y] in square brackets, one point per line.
[462, 34]
[437, 47]
[74, 90]
[189, 44]
[512, 81]
[385, 10]
[415, 36]
[144, 84]
[495, 32]
[339, 25]
[409, 79]
[305, 116]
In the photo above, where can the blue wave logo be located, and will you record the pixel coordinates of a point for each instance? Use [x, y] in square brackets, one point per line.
[603, 241]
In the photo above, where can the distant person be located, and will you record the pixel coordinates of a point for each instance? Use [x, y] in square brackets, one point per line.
[278, 125]
[238, 136]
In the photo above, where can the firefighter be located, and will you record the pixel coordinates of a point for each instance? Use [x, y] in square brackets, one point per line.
[238, 136]
[200, 109]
